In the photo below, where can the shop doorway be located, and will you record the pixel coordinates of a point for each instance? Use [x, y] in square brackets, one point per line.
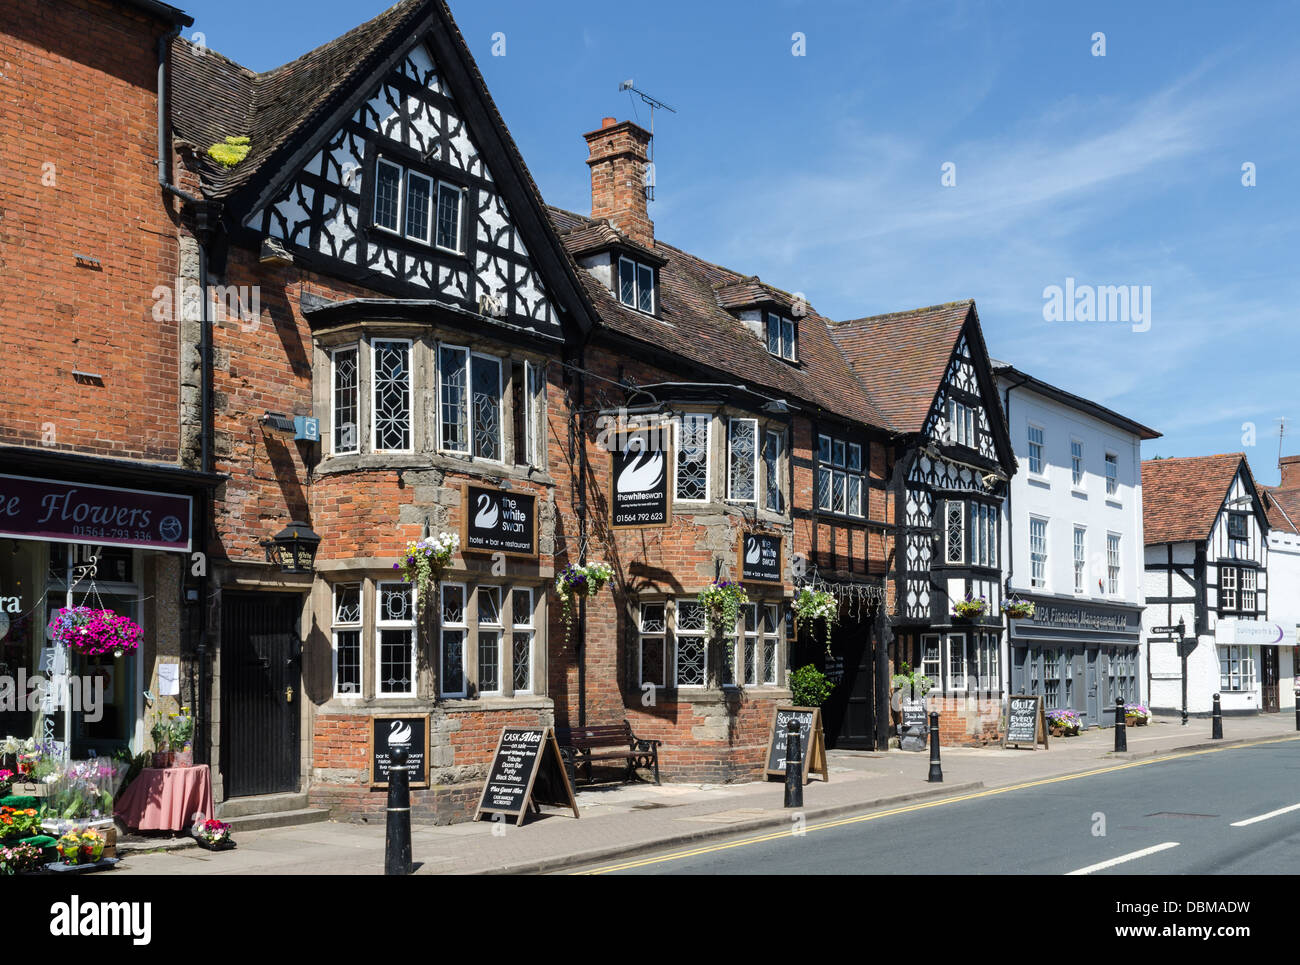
[260, 692]
[849, 713]
[1268, 679]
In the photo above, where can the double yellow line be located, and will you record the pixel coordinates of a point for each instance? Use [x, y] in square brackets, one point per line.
[876, 815]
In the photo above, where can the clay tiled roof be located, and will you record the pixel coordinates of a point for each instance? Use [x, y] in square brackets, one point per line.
[692, 325]
[1282, 507]
[1182, 497]
[748, 292]
[213, 97]
[902, 357]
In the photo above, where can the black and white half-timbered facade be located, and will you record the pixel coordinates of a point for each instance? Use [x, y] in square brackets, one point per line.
[930, 372]
[1206, 534]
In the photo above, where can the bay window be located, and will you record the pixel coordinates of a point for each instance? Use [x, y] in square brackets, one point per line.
[773, 443]
[451, 644]
[521, 653]
[690, 646]
[489, 640]
[395, 640]
[345, 404]
[346, 634]
[955, 531]
[691, 456]
[1236, 669]
[742, 460]
[391, 409]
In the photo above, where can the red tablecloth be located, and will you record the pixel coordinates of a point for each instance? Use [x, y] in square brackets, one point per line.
[166, 799]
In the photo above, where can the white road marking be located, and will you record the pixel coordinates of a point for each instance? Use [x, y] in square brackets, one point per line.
[1124, 857]
[1265, 817]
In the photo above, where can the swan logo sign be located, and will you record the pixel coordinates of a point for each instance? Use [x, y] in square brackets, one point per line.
[640, 495]
[760, 558]
[409, 733]
[499, 521]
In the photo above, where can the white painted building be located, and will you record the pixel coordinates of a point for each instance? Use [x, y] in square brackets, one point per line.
[1282, 503]
[1208, 568]
[1073, 532]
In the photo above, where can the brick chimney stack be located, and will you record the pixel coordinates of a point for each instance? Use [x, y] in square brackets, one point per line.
[1290, 466]
[618, 161]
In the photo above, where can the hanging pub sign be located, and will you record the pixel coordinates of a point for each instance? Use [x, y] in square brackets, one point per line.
[639, 492]
[45, 509]
[1026, 721]
[498, 521]
[411, 733]
[760, 558]
[526, 771]
[812, 741]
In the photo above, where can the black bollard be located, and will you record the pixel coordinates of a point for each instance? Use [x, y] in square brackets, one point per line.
[1121, 732]
[1297, 710]
[397, 840]
[793, 767]
[936, 772]
[1216, 728]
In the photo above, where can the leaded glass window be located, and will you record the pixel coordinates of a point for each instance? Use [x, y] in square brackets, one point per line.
[691, 647]
[742, 460]
[652, 652]
[347, 640]
[392, 415]
[489, 639]
[419, 197]
[521, 655]
[693, 457]
[955, 524]
[486, 374]
[636, 285]
[453, 394]
[395, 625]
[346, 400]
[772, 444]
[771, 642]
[452, 644]
[388, 195]
[449, 209]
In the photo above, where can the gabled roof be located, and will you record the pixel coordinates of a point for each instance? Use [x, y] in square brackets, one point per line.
[748, 292]
[692, 325]
[1282, 507]
[1181, 498]
[902, 357]
[1016, 378]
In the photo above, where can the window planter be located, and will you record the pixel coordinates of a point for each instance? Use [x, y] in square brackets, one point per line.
[970, 608]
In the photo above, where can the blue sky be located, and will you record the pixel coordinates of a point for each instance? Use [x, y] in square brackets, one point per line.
[821, 173]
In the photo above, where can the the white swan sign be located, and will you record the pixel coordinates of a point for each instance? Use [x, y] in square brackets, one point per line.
[760, 558]
[639, 492]
[499, 521]
[411, 733]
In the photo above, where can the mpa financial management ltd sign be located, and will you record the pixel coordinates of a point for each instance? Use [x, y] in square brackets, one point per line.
[1083, 618]
[46, 509]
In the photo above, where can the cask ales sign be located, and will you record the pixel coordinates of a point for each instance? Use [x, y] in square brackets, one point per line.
[812, 742]
[498, 521]
[526, 771]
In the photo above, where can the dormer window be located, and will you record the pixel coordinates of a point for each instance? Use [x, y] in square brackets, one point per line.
[782, 337]
[636, 285]
[418, 207]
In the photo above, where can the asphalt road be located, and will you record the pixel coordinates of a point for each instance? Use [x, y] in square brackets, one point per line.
[1156, 818]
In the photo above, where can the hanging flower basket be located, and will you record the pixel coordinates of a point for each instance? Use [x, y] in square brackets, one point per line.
[580, 580]
[970, 608]
[722, 600]
[91, 632]
[811, 605]
[426, 562]
[1018, 609]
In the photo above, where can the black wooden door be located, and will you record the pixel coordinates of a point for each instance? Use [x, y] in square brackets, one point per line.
[260, 692]
[851, 720]
[1269, 679]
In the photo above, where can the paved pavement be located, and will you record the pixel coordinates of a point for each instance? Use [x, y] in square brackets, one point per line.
[627, 820]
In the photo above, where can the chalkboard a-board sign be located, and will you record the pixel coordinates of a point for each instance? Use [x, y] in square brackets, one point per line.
[760, 558]
[412, 734]
[812, 741]
[914, 713]
[526, 771]
[498, 521]
[641, 496]
[1026, 721]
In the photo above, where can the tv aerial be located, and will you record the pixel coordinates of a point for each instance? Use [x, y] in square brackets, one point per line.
[653, 102]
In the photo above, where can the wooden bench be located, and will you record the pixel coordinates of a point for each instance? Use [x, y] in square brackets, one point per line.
[582, 747]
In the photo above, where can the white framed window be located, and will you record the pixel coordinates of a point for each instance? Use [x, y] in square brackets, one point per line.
[1079, 558]
[534, 411]
[346, 633]
[453, 398]
[986, 656]
[1227, 587]
[1112, 474]
[1036, 449]
[841, 487]
[1248, 584]
[419, 206]
[954, 522]
[1112, 563]
[1037, 552]
[486, 388]
[757, 655]
[636, 285]
[782, 337]
[690, 663]
[523, 636]
[395, 640]
[450, 215]
[453, 633]
[955, 647]
[652, 653]
[771, 643]
[471, 399]
[742, 460]
[1076, 464]
[773, 444]
[390, 413]
[490, 638]
[691, 458]
[1236, 669]
[388, 196]
[345, 400]
[961, 424]
[931, 661]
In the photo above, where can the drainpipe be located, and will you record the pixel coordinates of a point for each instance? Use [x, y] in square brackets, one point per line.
[205, 224]
[1007, 550]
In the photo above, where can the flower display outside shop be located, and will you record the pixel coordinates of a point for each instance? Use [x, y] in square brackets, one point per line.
[81, 847]
[970, 607]
[1018, 609]
[18, 822]
[1064, 722]
[425, 563]
[84, 791]
[580, 580]
[92, 632]
[17, 858]
[1137, 715]
[211, 833]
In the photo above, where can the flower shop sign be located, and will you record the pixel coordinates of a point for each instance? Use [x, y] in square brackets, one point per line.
[760, 558]
[498, 521]
[411, 733]
[46, 509]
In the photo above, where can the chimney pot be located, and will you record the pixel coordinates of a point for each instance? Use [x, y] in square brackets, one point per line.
[1290, 467]
[618, 158]
[607, 122]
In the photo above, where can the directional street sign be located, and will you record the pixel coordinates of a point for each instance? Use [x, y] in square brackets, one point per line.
[1164, 629]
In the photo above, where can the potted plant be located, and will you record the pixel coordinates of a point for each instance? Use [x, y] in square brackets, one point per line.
[181, 738]
[970, 608]
[161, 734]
[1136, 715]
[580, 580]
[909, 683]
[18, 822]
[1064, 723]
[19, 859]
[6, 780]
[809, 687]
[1018, 609]
[425, 564]
[91, 632]
[81, 847]
[811, 605]
[212, 834]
